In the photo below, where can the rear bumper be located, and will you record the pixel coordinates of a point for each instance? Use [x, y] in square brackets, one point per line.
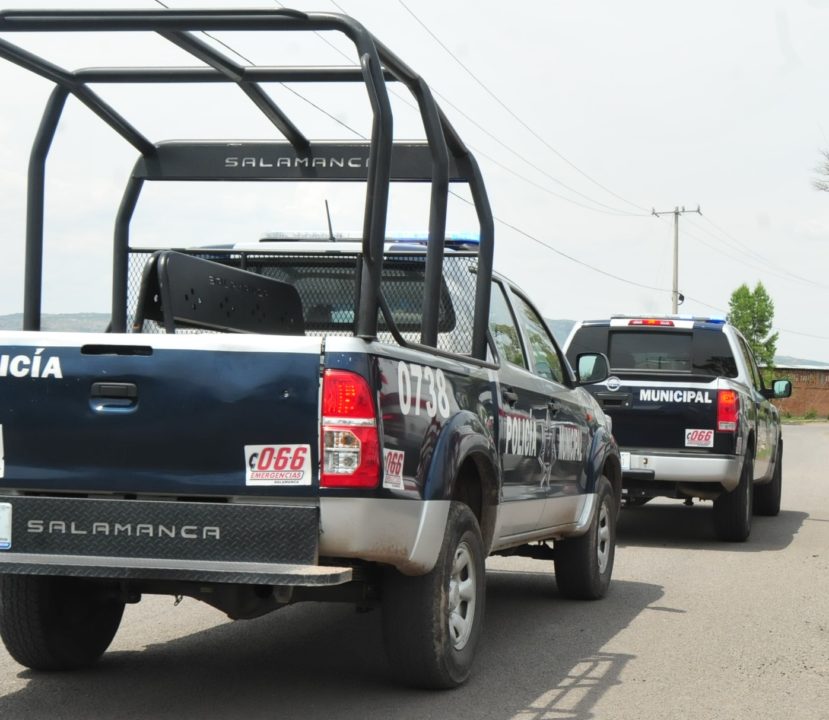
[164, 540]
[407, 534]
[187, 570]
[668, 467]
[235, 542]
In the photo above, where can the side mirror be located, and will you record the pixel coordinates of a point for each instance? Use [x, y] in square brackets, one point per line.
[782, 388]
[592, 368]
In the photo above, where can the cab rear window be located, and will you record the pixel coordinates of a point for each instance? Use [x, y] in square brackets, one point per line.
[700, 351]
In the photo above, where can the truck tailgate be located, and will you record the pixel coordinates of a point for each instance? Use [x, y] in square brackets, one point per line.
[660, 416]
[189, 414]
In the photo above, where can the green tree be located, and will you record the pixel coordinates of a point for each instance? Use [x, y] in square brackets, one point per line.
[752, 313]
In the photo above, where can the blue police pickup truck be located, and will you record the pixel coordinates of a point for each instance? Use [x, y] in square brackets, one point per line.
[691, 412]
[290, 419]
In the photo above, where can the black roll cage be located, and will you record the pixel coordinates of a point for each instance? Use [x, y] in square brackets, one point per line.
[442, 159]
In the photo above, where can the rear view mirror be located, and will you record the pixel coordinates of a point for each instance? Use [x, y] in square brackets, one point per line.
[782, 388]
[592, 368]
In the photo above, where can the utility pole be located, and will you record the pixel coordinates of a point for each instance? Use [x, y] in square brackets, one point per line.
[676, 212]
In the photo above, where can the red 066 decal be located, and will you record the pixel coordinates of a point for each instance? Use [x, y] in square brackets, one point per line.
[699, 438]
[393, 460]
[394, 463]
[286, 457]
[278, 465]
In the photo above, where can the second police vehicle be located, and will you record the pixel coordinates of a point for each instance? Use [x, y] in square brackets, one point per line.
[691, 412]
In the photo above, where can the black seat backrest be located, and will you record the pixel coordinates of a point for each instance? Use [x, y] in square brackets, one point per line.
[187, 291]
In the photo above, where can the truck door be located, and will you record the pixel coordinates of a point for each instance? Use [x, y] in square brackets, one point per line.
[562, 424]
[522, 408]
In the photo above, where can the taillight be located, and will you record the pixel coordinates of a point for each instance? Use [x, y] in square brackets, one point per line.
[728, 406]
[350, 443]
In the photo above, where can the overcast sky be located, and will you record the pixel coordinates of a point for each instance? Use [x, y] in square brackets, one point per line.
[583, 115]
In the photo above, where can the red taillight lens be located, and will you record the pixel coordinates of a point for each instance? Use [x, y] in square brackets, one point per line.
[728, 407]
[346, 395]
[350, 443]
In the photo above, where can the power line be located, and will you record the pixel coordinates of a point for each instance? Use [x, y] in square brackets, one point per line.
[563, 254]
[802, 334]
[512, 113]
[705, 304]
[481, 153]
[725, 237]
[409, 104]
[286, 87]
[477, 151]
[725, 312]
[747, 262]
[499, 220]
[446, 101]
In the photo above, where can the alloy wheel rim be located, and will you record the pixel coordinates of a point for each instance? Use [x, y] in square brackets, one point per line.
[462, 600]
[603, 538]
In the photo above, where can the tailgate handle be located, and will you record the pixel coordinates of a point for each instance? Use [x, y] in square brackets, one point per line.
[614, 399]
[113, 396]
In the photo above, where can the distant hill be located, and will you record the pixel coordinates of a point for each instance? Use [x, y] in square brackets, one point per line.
[97, 322]
[788, 360]
[69, 322]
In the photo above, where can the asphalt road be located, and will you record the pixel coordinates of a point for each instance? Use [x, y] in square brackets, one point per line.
[692, 628]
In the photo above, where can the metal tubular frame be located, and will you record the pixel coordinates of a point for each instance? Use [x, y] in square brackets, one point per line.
[35, 193]
[378, 64]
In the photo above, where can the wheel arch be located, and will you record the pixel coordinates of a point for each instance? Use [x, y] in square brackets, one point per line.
[612, 470]
[475, 486]
[464, 467]
[751, 445]
[604, 460]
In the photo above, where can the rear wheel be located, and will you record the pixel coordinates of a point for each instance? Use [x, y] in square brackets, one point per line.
[584, 564]
[432, 622]
[733, 510]
[54, 623]
[767, 497]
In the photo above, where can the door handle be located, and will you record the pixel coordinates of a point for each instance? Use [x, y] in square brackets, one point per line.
[113, 396]
[554, 406]
[509, 395]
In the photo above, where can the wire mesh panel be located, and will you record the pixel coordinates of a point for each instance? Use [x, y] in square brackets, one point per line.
[328, 285]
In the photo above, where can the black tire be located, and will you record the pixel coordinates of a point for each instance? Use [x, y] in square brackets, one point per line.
[767, 497]
[584, 564]
[431, 625]
[733, 510]
[53, 623]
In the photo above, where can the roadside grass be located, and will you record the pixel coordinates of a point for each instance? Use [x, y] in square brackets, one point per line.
[806, 419]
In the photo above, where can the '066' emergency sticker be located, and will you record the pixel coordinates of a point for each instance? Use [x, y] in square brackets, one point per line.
[393, 469]
[699, 438]
[277, 464]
